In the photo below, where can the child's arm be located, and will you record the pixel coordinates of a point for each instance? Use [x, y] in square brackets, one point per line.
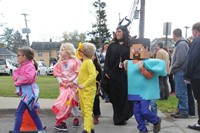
[27, 77]
[16, 75]
[57, 72]
[144, 71]
[59, 79]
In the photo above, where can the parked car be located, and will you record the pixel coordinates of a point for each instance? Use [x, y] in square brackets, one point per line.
[42, 69]
[50, 70]
[7, 67]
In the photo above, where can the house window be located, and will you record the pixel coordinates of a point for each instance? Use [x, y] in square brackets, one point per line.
[39, 53]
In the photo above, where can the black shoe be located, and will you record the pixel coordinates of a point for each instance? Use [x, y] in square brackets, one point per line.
[92, 131]
[195, 127]
[107, 101]
[157, 127]
[176, 113]
[84, 131]
[60, 128]
[180, 115]
[121, 123]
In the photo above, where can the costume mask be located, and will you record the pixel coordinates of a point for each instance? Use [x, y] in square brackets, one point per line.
[80, 46]
[139, 49]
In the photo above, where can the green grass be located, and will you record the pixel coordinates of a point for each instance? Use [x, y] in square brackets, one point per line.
[168, 106]
[49, 89]
[48, 85]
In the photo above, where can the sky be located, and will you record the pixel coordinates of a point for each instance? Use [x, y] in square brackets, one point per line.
[50, 18]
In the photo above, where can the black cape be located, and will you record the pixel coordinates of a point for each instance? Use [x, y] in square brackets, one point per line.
[117, 84]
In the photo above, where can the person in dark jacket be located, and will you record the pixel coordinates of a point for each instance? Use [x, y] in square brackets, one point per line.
[192, 69]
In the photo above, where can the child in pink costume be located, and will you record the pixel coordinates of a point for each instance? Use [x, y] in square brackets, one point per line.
[66, 71]
[24, 78]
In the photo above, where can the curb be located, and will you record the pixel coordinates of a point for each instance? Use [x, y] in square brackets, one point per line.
[46, 112]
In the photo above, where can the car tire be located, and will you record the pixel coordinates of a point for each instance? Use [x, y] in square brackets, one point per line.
[11, 73]
[38, 73]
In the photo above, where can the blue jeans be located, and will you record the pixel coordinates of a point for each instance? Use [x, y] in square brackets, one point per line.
[153, 106]
[181, 93]
[142, 113]
[105, 95]
[19, 114]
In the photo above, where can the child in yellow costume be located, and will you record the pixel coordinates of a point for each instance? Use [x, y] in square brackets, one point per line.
[87, 85]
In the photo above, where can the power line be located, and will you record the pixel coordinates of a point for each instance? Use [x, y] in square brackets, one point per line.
[132, 11]
[26, 30]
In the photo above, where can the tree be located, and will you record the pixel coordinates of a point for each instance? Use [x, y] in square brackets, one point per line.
[12, 40]
[74, 37]
[100, 32]
[7, 37]
[18, 42]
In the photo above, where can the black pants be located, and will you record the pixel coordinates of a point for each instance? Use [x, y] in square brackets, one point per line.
[191, 103]
[171, 81]
[96, 107]
[164, 88]
[196, 91]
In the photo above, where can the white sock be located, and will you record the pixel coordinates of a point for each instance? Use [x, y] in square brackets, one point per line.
[75, 110]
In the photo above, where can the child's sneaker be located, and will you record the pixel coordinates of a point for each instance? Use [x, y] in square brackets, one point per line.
[64, 124]
[60, 128]
[76, 122]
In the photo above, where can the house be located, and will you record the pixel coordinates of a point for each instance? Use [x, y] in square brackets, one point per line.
[46, 51]
[7, 54]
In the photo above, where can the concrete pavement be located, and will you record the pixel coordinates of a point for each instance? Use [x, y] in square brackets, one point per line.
[8, 106]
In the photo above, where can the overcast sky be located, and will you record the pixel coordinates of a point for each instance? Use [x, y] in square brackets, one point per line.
[50, 18]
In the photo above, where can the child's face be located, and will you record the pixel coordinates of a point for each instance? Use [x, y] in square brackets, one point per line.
[81, 53]
[21, 58]
[64, 54]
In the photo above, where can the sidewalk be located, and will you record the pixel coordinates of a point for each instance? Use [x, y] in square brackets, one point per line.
[9, 104]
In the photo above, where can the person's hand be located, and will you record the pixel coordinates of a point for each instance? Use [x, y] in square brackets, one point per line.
[107, 76]
[125, 64]
[64, 85]
[140, 64]
[80, 86]
[187, 81]
[71, 84]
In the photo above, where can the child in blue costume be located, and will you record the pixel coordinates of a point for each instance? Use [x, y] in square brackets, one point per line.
[143, 84]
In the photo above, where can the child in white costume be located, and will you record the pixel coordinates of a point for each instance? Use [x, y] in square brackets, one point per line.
[66, 71]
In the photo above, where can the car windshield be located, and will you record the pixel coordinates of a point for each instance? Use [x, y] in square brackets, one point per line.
[2, 61]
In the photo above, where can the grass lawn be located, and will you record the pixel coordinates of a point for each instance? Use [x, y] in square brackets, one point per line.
[49, 89]
[48, 86]
[168, 106]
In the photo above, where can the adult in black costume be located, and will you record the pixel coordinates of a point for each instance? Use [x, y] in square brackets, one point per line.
[114, 72]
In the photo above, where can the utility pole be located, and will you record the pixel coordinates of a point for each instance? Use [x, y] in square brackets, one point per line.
[186, 27]
[26, 30]
[119, 17]
[142, 19]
